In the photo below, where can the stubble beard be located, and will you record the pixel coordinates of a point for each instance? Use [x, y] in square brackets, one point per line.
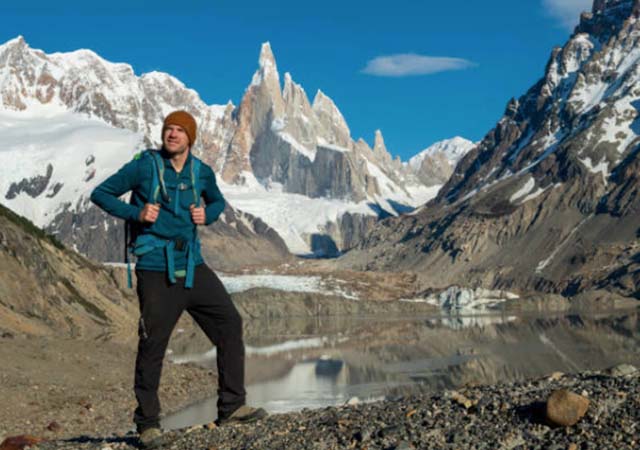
[176, 151]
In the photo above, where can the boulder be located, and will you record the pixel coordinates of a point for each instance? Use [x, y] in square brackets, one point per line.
[566, 408]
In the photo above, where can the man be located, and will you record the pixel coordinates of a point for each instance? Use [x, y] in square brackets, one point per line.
[171, 274]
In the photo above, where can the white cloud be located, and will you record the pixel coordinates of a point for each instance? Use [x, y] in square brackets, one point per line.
[407, 64]
[567, 11]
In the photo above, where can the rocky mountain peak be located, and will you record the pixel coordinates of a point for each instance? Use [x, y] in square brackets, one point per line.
[602, 6]
[262, 105]
[607, 18]
[267, 69]
[323, 102]
[266, 56]
[13, 44]
[378, 142]
[331, 120]
[379, 148]
[293, 93]
[13, 49]
[300, 121]
[288, 84]
[452, 149]
[434, 165]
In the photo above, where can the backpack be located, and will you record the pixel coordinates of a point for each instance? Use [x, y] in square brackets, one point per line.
[138, 243]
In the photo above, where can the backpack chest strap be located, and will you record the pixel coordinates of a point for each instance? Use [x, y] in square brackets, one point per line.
[148, 242]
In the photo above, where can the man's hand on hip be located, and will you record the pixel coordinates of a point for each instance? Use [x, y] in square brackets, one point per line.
[197, 215]
[149, 213]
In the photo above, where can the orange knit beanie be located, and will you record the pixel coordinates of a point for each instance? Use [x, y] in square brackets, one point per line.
[185, 120]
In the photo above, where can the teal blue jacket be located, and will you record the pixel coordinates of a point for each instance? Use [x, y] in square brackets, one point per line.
[173, 223]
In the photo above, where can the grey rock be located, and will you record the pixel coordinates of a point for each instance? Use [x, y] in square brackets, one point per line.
[33, 186]
[622, 370]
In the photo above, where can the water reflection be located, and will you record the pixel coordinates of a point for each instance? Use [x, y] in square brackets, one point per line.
[369, 358]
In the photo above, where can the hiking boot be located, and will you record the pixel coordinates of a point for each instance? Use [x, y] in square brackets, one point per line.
[244, 414]
[151, 438]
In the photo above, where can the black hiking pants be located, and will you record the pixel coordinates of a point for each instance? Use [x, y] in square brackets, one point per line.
[161, 305]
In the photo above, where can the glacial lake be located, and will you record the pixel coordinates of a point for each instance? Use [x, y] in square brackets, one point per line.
[316, 362]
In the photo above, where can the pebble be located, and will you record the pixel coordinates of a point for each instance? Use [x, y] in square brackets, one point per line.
[54, 426]
[555, 376]
[353, 401]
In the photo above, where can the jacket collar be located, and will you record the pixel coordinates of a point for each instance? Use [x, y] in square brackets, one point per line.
[167, 161]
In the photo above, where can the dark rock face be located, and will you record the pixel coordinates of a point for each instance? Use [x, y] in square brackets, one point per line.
[33, 186]
[354, 228]
[239, 239]
[330, 174]
[93, 233]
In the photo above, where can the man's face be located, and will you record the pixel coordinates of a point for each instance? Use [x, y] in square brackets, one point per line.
[175, 139]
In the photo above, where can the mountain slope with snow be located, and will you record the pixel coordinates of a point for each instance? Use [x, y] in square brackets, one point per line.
[549, 200]
[59, 157]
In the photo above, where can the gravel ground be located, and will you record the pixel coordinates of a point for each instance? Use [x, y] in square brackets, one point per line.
[61, 388]
[505, 416]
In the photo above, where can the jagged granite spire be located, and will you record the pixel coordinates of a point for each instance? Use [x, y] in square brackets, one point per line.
[379, 148]
[331, 120]
[268, 70]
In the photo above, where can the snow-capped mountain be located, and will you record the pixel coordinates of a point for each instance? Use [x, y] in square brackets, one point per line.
[550, 199]
[434, 165]
[83, 82]
[71, 119]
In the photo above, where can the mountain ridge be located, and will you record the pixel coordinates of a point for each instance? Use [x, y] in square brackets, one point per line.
[549, 199]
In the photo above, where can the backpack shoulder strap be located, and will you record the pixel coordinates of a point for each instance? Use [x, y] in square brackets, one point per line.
[195, 179]
[157, 182]
[129, 233]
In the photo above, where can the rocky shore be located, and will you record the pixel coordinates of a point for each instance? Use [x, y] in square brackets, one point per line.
[506, 416]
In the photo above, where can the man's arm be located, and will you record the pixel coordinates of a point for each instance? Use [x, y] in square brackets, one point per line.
[213, 198]
[106, 194]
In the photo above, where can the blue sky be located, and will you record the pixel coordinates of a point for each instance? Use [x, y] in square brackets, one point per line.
[420, 71]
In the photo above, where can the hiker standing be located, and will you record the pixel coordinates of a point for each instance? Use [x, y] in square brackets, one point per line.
[165, 209]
